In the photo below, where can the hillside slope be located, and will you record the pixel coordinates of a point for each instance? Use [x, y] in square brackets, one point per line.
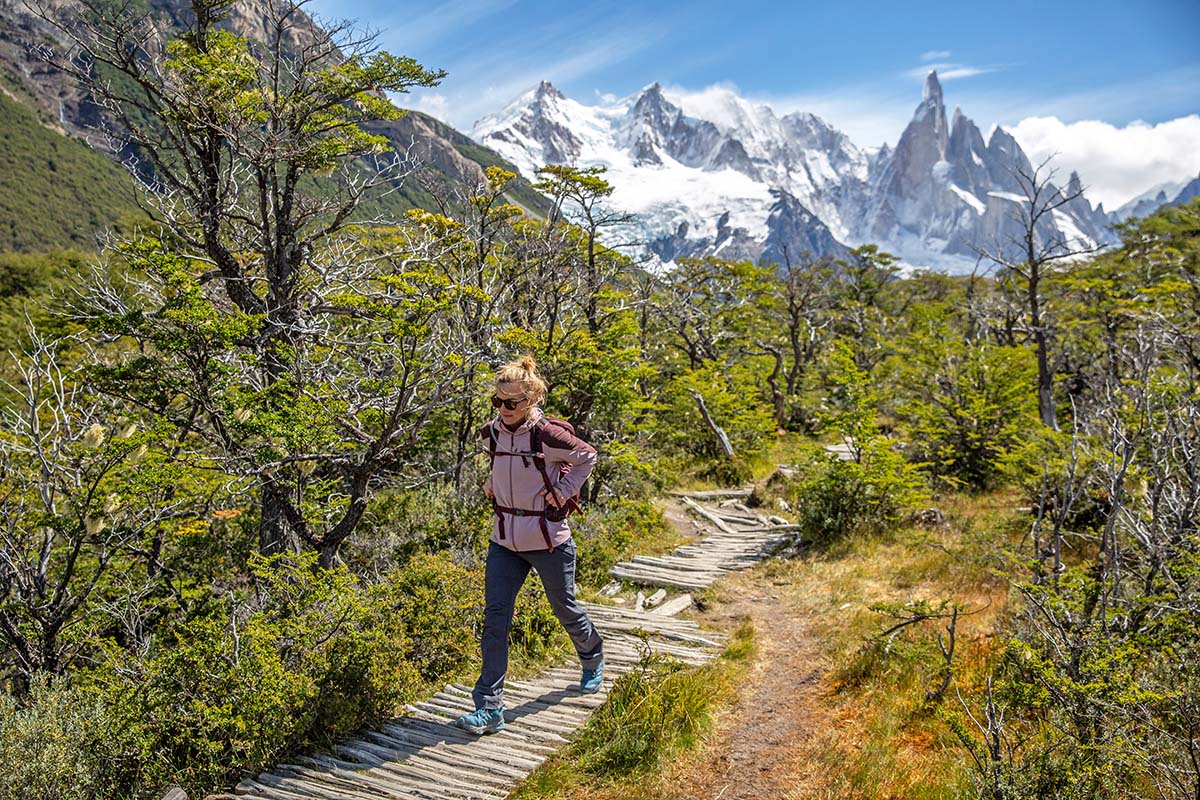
[55, 191]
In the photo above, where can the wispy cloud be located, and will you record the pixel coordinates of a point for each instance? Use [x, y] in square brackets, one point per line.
[948, 71]
[414, 33]
[486, 83]
[935, 55]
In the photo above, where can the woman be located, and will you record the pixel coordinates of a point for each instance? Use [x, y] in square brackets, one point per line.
[537, 466]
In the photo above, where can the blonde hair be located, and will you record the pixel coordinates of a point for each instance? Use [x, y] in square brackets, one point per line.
[524, 371]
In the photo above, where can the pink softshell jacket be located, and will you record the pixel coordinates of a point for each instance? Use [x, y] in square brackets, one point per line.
[518, 484]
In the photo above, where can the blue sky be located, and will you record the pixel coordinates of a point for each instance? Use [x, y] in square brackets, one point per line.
[859, 65]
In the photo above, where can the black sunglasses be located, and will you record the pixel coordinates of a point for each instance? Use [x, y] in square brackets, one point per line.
[511, 405]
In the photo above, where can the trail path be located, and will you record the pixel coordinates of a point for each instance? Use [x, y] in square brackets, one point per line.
[422, 755]
[761, 745]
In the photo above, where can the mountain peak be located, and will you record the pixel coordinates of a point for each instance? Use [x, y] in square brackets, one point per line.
[933, 88]
[546, 89]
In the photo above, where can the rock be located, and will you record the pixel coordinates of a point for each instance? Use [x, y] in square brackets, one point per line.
[778, 520]
[611, 588]
[767, 491]
[175, 793]
[929, 517]
[782, 505]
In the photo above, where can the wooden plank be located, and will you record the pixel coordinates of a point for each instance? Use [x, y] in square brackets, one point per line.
[713, 494]
[438, 760]
[674, 605]
[708, 515]
[422, 776]
[428, 782]
[657, 580]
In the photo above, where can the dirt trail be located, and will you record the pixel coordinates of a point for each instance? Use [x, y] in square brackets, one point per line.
[758, 746]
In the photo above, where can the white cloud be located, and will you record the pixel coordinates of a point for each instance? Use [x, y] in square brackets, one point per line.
[935, 55]
[435, 105]
[1115, 164]
[948, 72]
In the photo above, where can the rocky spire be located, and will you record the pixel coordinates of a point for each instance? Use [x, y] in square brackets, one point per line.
[933, 88]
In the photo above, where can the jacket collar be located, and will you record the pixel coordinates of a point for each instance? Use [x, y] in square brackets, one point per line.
[530, 420]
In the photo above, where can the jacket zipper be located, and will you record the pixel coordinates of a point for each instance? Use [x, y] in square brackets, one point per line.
[512, 446]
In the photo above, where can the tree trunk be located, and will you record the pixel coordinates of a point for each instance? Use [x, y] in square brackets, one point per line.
[718, 431]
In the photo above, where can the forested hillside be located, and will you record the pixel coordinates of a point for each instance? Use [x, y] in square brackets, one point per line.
[241, 481]
[56, 191]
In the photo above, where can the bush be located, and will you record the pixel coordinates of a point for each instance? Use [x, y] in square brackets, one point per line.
[52, 747]
[606, 535]
[439, 602]
[837, 498]
[230, 691]
[968, 404]
[402, 523]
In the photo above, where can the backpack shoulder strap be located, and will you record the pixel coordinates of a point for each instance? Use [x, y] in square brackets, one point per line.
[489, 432]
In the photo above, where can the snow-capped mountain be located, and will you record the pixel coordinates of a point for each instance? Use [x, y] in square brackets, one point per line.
[697, 186]
[1172, 193]
[731, 178]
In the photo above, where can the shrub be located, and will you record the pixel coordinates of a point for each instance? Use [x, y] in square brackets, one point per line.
[400, 524]
[607, 534]
[968, 403]
[439, 604]
[230, 691]
[52, 747]
[837, 497]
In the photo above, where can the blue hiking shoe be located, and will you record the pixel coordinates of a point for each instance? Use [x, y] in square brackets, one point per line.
[482, 720]
[592, 678]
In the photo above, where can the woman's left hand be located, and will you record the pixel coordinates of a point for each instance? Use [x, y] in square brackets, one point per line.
[551, 499]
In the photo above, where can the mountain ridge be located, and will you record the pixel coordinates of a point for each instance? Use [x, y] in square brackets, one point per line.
[68, 120]
[937, 198]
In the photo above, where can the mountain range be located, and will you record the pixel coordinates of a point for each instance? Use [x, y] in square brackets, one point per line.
[733, 179]
[730, 178]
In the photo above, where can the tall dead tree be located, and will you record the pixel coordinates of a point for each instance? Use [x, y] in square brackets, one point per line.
[1028, 258]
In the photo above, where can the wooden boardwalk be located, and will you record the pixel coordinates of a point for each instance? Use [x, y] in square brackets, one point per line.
[422, 754]
[736, 537]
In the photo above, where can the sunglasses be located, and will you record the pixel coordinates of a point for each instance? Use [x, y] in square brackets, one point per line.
[511, 405]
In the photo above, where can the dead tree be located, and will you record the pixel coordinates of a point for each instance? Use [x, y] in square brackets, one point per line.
[1028, 259]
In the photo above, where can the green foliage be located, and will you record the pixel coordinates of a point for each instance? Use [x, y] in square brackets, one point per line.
[968, 404]
[436, 601]
[875, 485]
[402, 523]
[837, 498]
[314, 657]
[607, 534]
[53, 746]
[731, 395]
[28, 282]
[657, 709]
[56, 191]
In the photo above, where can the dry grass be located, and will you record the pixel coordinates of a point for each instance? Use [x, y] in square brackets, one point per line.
[871, 732]
[877, 736]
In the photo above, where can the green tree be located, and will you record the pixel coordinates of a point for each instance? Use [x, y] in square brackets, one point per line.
[256, 151]
[967, 402]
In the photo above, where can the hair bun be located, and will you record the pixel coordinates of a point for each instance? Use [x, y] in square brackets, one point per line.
[528, 364]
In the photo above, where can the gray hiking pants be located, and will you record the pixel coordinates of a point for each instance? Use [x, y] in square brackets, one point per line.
[506, 572]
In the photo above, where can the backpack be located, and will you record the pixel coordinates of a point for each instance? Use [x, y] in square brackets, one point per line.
[538, 454]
